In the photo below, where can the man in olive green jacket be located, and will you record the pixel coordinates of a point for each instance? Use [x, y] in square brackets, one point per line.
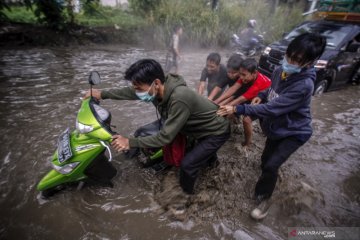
[182, 110]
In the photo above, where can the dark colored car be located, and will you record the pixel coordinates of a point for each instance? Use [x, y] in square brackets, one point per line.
[338, 66]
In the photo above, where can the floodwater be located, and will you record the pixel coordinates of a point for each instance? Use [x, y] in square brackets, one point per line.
[40, 91]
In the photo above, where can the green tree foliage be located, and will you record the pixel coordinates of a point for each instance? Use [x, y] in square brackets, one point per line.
[50, 12]
[156, 18]
[208, 27]
[3, 6]
[144, 7]
[200, 23]
[57, 14]
[6, 6]
[91, 7]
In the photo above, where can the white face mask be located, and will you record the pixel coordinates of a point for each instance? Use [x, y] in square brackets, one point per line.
[290, 68]
[145, 96]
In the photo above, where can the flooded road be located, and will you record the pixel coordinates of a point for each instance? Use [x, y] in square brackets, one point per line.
[40, 91]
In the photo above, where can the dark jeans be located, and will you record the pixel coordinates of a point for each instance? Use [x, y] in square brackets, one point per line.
[201, 155]
[276, 152]
[143, 131]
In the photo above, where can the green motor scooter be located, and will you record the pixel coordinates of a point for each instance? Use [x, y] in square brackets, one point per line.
[81, 154]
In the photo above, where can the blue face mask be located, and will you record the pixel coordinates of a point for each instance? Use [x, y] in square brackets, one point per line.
[290, 68]
[145, 96]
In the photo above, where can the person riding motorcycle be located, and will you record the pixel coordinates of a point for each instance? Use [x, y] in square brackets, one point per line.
[248, 35]
[247, 42]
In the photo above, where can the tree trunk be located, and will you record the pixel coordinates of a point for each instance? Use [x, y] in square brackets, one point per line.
[70, 10]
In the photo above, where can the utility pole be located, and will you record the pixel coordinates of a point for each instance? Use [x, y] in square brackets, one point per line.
[312, 8]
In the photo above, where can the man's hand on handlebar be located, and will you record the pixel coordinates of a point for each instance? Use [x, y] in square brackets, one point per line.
[120, 143]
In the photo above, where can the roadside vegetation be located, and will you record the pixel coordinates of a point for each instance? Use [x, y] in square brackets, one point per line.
[155, 19]
[208, 27]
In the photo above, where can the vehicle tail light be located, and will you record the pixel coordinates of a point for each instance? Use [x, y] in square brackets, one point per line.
[321, 64]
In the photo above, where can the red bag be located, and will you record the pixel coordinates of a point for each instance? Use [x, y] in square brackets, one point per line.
[174, 152]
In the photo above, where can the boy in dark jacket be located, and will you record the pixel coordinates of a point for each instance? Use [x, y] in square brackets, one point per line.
[183, 111]
[285, 113]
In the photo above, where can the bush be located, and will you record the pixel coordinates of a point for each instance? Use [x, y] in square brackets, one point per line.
[207, 27]
[143, 7]
[107, 16]
[155, 19]
[20, 14]
[200, 23]
[51, 13]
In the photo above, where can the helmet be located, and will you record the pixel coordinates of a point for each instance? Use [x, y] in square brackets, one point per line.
[252, 23]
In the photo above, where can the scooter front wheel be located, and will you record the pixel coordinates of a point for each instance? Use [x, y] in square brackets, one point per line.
[52, 191]
[47, 193]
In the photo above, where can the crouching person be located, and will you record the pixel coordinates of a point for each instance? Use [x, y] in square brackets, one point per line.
[183, 111]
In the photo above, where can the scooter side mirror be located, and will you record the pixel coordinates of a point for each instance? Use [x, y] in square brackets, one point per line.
[94, 78]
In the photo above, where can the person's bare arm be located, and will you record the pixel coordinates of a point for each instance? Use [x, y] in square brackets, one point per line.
[214, 92]
[237, 101]
[201, 88]
[226, 101]
[228, 93]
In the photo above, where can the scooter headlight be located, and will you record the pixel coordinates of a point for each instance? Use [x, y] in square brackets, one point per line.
[66, 169]
[82, 128]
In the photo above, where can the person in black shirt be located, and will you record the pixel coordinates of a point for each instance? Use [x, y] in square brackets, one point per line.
[215, 74]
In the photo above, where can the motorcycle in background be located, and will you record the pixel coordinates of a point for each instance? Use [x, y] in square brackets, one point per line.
[247, 47]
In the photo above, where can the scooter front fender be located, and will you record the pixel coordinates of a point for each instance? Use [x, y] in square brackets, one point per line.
[53, 179]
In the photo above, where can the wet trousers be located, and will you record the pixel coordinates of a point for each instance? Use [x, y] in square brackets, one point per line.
[275, 153]
[201, 155]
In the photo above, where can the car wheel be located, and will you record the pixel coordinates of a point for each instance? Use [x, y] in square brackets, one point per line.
[321, 87]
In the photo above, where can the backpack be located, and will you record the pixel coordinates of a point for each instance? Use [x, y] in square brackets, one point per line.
[174, 152]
